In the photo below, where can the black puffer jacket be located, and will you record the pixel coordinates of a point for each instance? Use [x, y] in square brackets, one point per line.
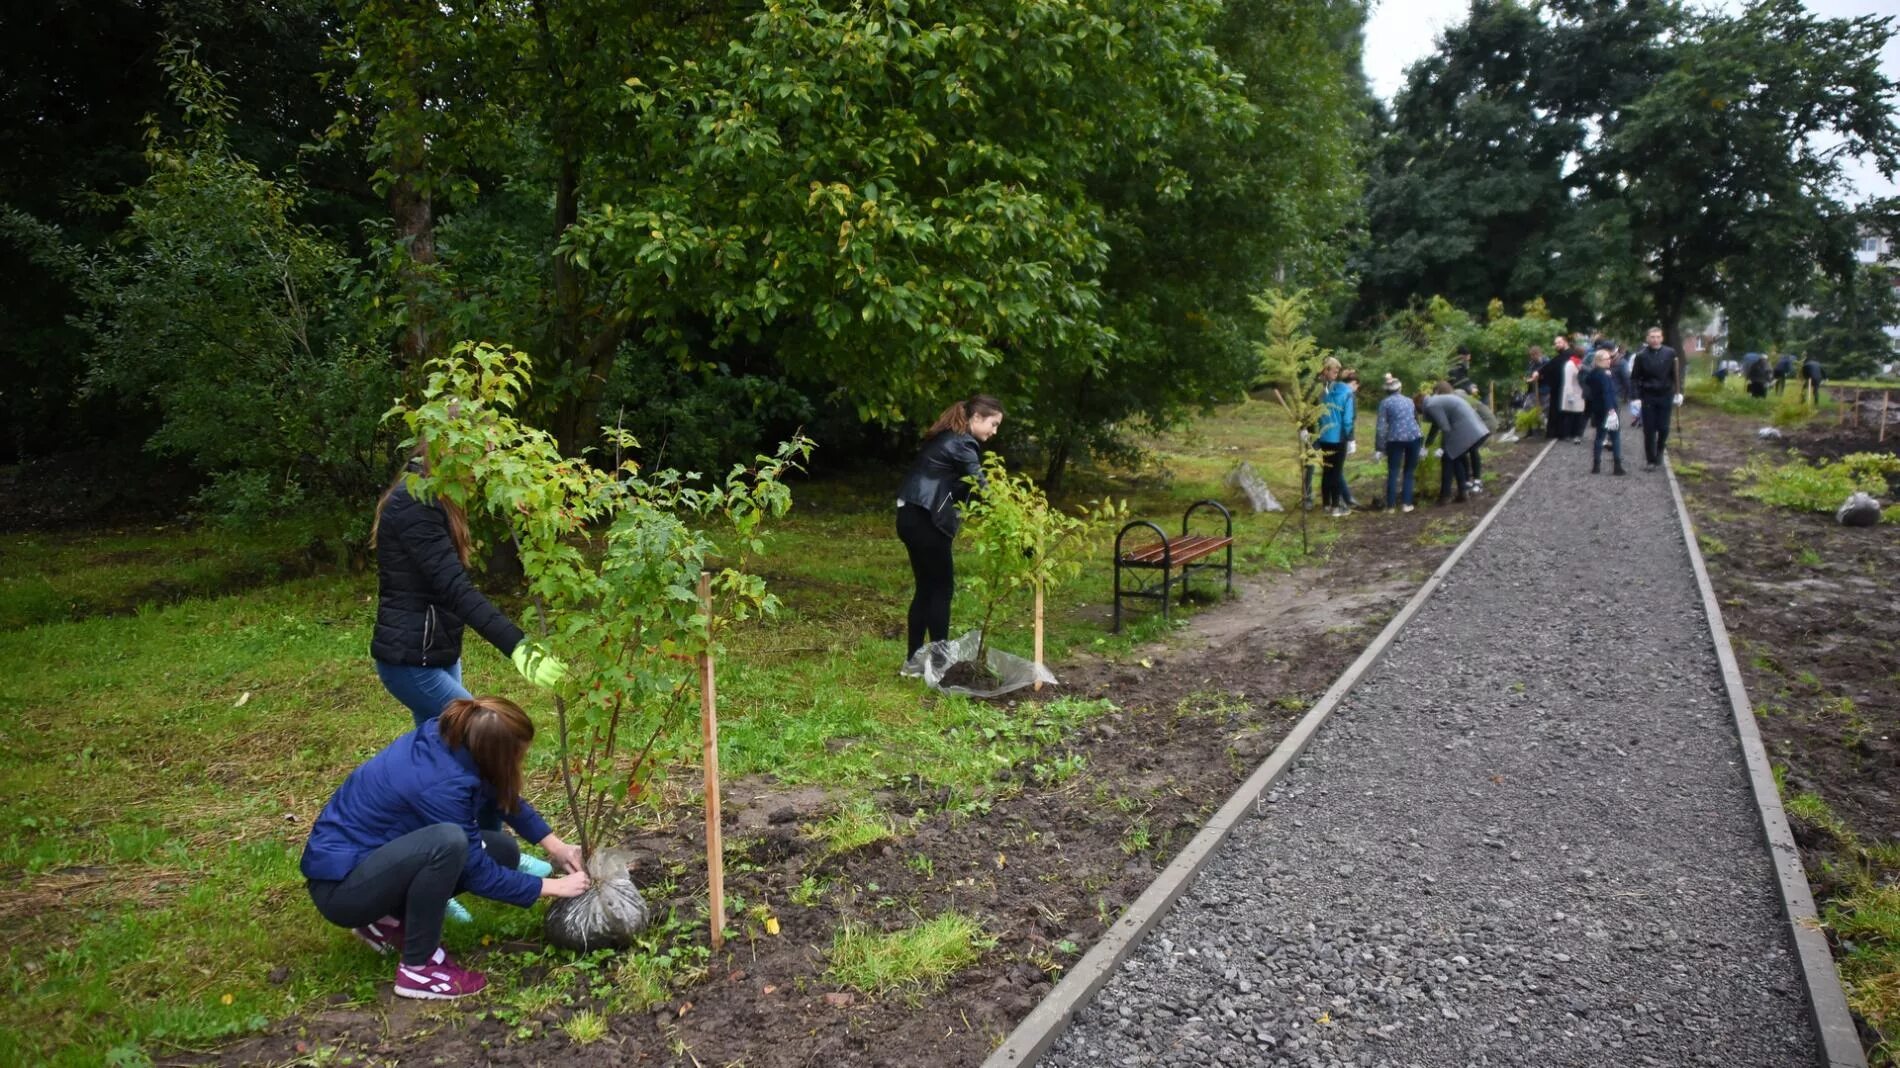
[423, 593]
[936, 480]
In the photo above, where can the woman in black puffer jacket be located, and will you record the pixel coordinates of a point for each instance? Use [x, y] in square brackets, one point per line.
[424, 598]
[927, 508]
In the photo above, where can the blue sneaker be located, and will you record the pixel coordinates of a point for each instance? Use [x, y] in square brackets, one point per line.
[535, 866]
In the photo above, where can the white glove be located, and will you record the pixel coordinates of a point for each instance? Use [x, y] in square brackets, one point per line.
[1351, 447]
[1305, 437]
[1439, 453]
[1678, 400]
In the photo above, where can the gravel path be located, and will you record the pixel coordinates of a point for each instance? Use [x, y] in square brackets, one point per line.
[1525, 838]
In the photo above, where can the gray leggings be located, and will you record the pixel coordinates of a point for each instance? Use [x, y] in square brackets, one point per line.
[411, 878]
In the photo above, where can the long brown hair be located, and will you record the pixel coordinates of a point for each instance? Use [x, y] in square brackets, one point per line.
[957, 417]
[496, 733]
[458, 521]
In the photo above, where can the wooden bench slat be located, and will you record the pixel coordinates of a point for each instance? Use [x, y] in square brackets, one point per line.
[1182, 550]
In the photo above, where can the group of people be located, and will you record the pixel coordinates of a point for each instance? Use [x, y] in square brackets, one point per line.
[1759, 374]
[1591, 386]
[1405, 427]
[421, 821]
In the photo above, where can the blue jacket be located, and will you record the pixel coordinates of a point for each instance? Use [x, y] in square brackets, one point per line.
[417, 782]
[1339, 410]
[1398, 422]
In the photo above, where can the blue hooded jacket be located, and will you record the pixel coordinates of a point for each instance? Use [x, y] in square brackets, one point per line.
[1338, 414]
[418, 781]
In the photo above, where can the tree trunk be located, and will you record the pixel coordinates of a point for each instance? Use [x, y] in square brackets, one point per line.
[413, 214]
[582, 360]
[1058, 465]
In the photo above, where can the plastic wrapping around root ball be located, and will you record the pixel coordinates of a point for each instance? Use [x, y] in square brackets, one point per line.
[1007, 672]
[1859, 510]
[607, 916]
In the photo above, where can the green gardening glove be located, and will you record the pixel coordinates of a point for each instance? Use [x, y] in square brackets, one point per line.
[538, 667]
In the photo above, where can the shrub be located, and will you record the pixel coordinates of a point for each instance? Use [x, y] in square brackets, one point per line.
[1817, 487]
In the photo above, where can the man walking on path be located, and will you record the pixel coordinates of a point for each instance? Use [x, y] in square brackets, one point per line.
[1656, 379]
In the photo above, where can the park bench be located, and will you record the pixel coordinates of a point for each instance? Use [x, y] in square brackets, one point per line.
[1187, 554]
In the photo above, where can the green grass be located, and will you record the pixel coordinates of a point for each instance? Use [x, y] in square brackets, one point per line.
[916, 959]
[178, 713]
[51, 577]
[853, 827]
[1864, 917]
[1784, 410]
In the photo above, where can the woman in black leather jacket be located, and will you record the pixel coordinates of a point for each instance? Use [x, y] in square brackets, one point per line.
[927, 508]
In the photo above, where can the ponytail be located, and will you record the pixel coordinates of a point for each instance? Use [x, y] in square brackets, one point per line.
[496, 733]
[956, 418]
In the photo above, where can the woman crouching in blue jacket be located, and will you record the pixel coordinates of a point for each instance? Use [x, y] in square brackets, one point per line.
[399, 838]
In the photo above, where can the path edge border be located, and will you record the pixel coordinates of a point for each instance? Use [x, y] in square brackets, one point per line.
[1827, 1001]
[1050, 1018]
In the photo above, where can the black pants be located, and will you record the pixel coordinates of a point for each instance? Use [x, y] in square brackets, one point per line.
[1332, 481]
[411, 878]
[1811, 385]
[1656, 414]
[1452, 470]
[934, 573]
[1554, 423]
[1474, 463]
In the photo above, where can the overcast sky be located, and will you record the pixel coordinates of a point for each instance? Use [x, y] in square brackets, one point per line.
[1403, 31]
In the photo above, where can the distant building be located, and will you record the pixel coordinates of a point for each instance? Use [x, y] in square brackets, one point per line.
[1879, 250]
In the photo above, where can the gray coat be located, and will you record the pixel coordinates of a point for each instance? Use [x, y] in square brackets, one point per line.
[1456, 421]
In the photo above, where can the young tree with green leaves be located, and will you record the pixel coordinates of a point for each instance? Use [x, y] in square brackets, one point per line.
[625, 618]
[1290, 361]
[1021, 542]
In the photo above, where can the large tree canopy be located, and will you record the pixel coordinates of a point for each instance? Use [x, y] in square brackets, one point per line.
[1627, 161]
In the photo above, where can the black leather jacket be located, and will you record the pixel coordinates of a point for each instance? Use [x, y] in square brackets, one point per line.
[936, 483]
[423, 595]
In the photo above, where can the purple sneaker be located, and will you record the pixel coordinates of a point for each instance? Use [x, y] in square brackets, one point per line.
[443, 980]
[383, 936]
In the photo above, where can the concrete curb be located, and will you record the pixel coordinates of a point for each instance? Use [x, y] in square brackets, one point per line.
[1040, 1029]
[1833, 1023]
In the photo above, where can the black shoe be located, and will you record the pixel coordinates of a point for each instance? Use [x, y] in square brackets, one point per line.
[1460, 499]
[1596, 466]
[1619, 470]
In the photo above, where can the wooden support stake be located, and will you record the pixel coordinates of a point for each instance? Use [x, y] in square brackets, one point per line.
[1493, 402]
[709, 742]
[1886, 398]
[1038, 684]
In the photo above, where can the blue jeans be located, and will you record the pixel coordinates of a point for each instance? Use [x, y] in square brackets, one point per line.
[426, 690]
[1400, 455]
[1616, 446]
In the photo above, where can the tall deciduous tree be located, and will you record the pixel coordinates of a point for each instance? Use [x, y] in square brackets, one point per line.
[1729, 164]
[1627, 161]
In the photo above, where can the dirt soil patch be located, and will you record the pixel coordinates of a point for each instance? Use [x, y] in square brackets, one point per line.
[1810, 605]
[1044, 865]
